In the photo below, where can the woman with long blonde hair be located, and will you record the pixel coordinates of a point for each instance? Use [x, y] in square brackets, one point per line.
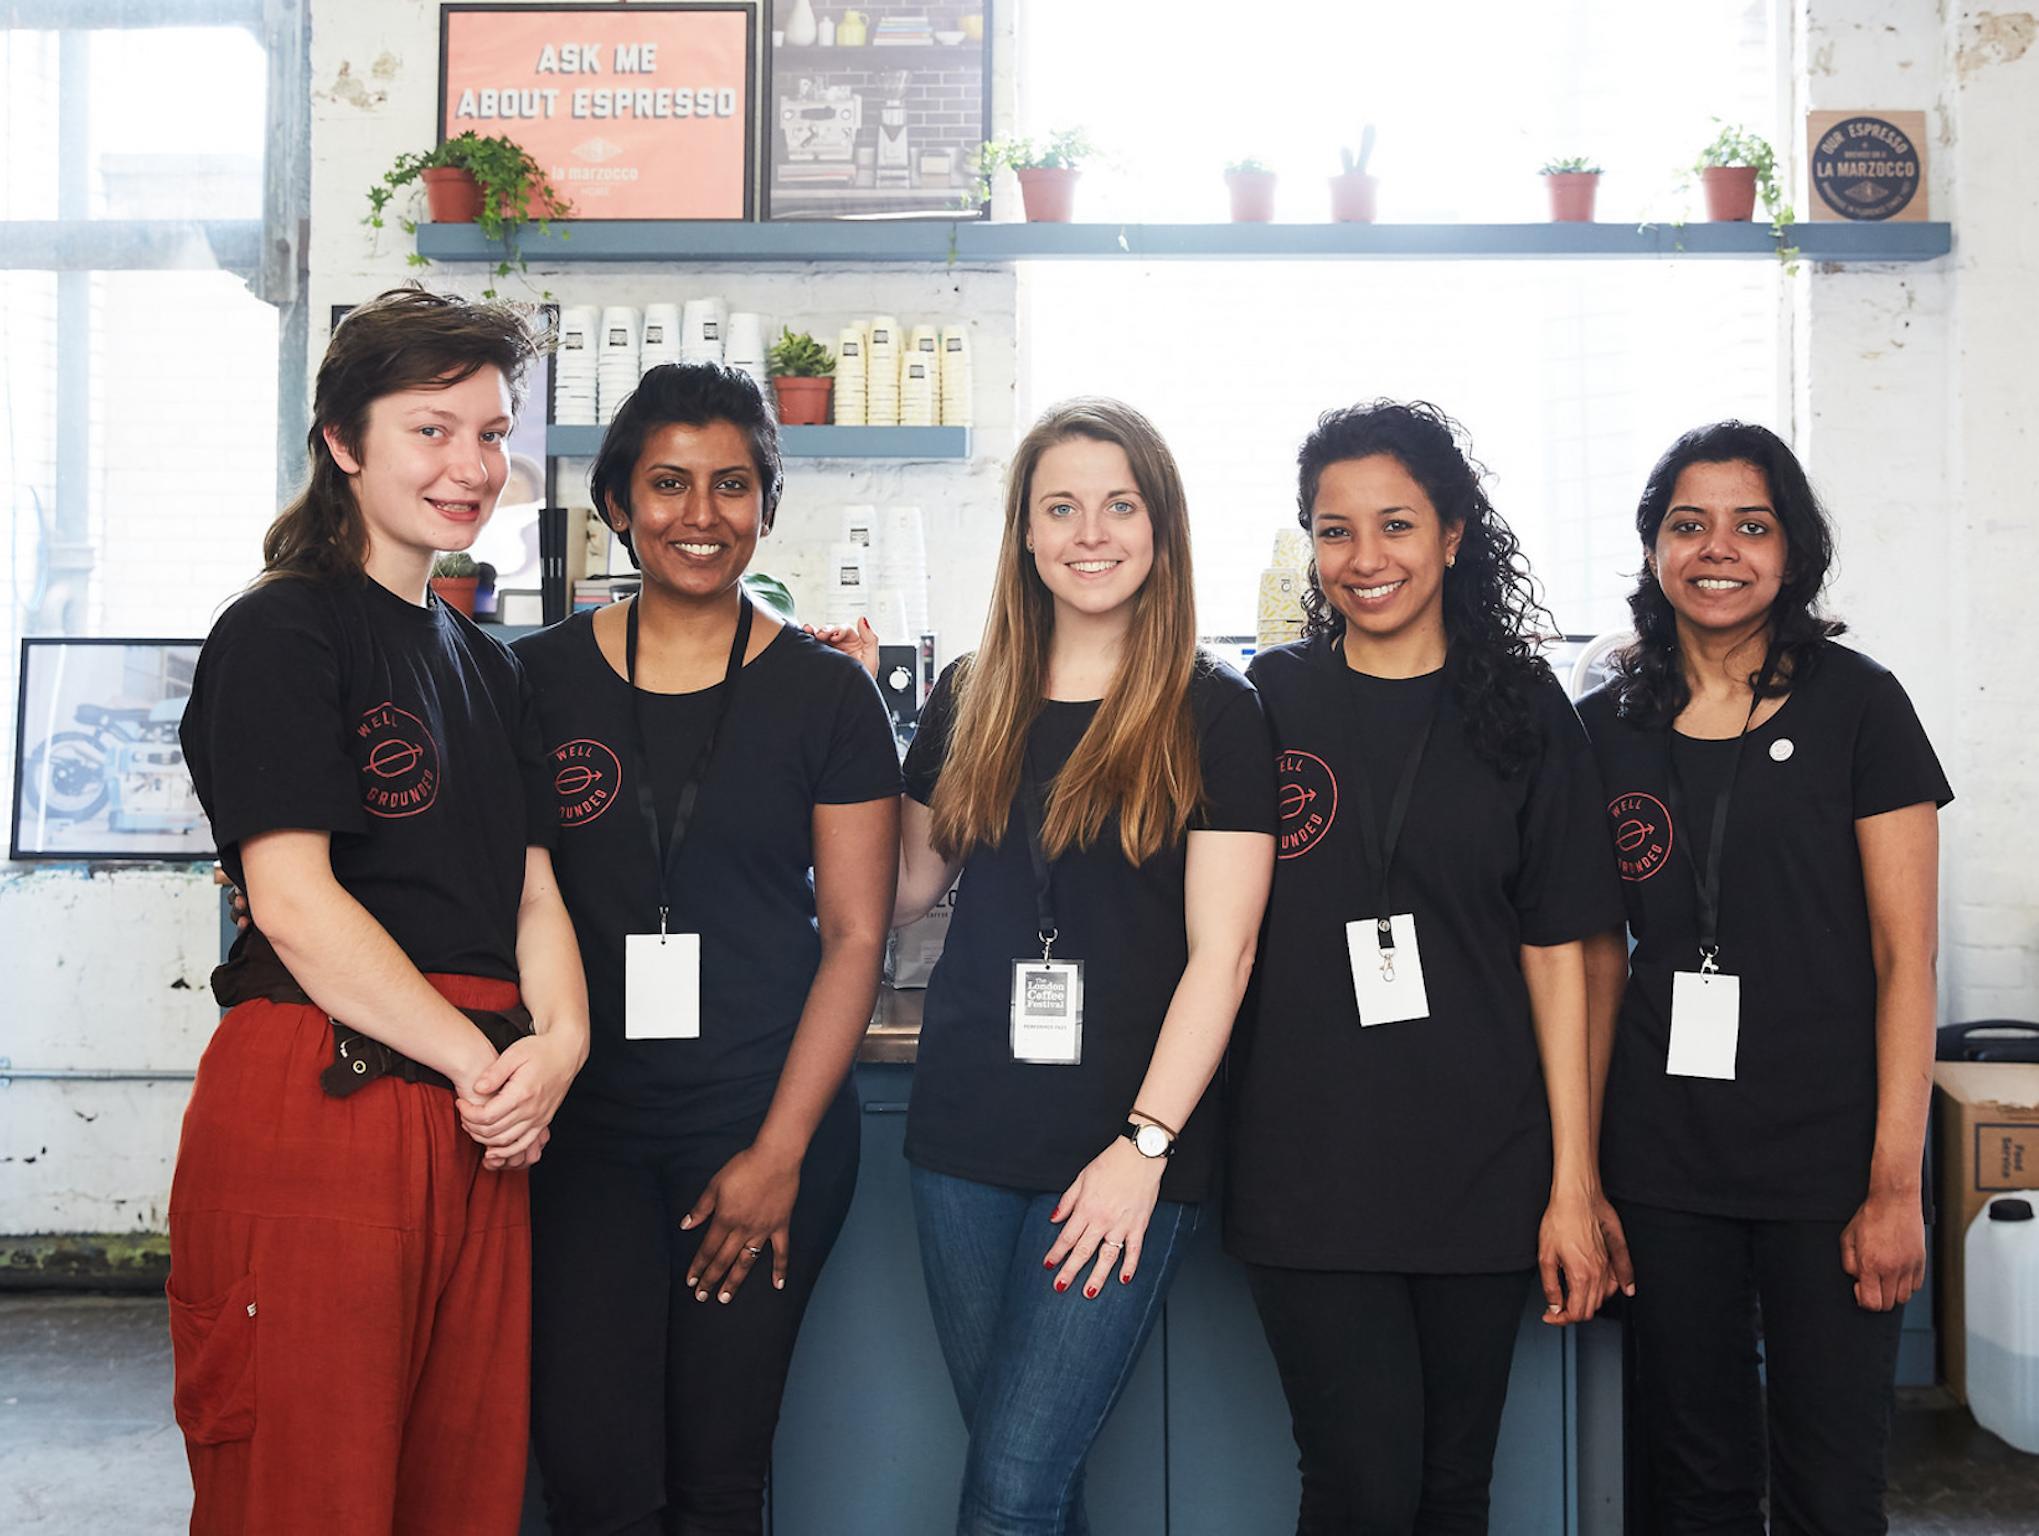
[1106, 792]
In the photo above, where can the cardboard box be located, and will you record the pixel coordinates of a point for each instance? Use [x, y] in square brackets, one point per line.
[1987, 1141]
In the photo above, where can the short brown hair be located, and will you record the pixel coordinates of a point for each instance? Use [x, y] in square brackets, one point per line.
[405, 338]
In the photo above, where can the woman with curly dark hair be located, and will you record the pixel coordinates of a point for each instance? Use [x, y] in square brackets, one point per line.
[1774, 804]
[1411, 1134]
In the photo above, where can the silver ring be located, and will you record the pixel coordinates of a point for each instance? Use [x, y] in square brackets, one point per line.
[753, 1251]
[1108, 1243]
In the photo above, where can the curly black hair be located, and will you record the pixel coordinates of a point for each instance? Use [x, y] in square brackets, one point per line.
[693, 395]
[1494, 617]
[1649, 682]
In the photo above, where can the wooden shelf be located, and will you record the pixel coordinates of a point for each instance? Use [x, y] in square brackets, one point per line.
[941, 239]
[927, 443]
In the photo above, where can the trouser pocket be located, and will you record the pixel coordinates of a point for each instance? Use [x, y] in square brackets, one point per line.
[213, 1346]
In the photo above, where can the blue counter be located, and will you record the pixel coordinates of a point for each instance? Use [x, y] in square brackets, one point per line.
[871, 1444]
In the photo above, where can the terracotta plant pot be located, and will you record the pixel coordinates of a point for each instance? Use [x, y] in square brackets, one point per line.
[1049, 194]
[452, 196]
[1352, 197]
[1730, 192]
[803, 402]
[1571, 195]
[1252, 196]
[456, 592]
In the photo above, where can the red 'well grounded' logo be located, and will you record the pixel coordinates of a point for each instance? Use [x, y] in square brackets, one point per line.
[399, 762]
[1306, 791]
[585, 777]
[1642, 834]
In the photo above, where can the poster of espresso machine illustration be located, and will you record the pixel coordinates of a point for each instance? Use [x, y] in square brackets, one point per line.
[878, 111]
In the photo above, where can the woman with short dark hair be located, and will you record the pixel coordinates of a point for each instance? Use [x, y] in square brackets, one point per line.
[1774, 803]
[726, 792]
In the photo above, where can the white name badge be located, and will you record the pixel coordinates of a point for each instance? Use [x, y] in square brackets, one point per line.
[1387, 984]
[662, 986]
[1706, 1024]
[1047, 1012]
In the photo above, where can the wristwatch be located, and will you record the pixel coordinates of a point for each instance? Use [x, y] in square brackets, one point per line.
[1150, 1139]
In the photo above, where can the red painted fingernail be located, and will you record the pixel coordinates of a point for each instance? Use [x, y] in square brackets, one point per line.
[1090, 1290]
[1047, 1263]
[1061, 1285]
[1125, 1279]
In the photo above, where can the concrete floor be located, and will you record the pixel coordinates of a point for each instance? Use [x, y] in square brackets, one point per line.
[87, 1445]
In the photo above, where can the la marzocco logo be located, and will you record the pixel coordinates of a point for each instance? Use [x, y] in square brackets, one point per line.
[1642, 834]
[1306, 792]
[399, 762]
[585, 777]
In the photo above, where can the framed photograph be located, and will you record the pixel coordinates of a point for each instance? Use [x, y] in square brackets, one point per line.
[98, 770]
[877, 112]
[639, 111]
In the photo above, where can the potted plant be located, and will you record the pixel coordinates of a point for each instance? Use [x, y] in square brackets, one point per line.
[803, 378]
[1251, 183]
[492, 182]
[1735, 169]
[454, 578]
[1572, 184]
[1047, 174]
[1352, 191]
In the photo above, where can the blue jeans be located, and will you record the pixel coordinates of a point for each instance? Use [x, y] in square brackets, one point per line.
[1036, 1371]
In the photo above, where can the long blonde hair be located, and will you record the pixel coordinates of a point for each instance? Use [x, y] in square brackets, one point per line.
[1138, 757]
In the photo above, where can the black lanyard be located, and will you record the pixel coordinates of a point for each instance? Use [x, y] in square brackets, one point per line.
[665, 858]
[1380, 843]
[1706, 879]
[1033, 815]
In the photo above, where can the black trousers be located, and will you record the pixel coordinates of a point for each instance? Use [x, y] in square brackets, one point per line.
[652, 1413]
[1395, 1385]
[1707, 1289]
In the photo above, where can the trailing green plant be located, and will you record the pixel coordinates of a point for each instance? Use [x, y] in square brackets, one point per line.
[1573, 165]
[770, 591]
[1355, 164]
[455, 567]
[799, 356]
[515, 191]
[1250, 166]
[1736, 145]
[1067, 149]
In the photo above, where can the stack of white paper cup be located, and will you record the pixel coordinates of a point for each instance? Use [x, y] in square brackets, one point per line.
[743, 344]
[847, 595]
[956, 382]
[860, 525]
[918, 401]
[901, 551]
[617, 367]
[574, 369]
[881, 372]
[850, 377]
[701, 331]
[661, 336]
[1278, 615]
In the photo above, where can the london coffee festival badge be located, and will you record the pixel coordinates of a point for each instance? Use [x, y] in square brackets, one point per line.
[1867, 165]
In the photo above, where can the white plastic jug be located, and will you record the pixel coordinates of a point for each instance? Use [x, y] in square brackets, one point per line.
[2003, 1320]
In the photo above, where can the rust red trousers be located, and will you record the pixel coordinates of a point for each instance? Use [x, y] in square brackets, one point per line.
[350, 1296]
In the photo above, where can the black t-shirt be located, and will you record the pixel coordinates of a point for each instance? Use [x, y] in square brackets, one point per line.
[806, 727]
[976, 1112]
[406, 732]
[1791, 1137]
[1422, 1146]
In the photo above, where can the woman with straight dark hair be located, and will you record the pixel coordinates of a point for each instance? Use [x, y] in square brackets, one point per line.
[1410, 1128]
[726, 790]
[349, 1245]
[1103, 788]
[1774, 802]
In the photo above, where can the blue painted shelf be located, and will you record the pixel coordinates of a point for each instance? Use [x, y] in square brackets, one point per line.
[942, 240]
[808, 442]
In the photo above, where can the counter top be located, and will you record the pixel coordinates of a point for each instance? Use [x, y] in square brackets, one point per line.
[894, 1035]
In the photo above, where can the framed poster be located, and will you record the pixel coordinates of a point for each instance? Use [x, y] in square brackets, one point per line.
[877, 112]
[635, 111]
[98, 770]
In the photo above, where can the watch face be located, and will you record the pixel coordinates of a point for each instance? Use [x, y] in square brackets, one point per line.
[1152, 1141]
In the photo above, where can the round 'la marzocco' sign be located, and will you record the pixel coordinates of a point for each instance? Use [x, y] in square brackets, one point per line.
[1865, 168]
